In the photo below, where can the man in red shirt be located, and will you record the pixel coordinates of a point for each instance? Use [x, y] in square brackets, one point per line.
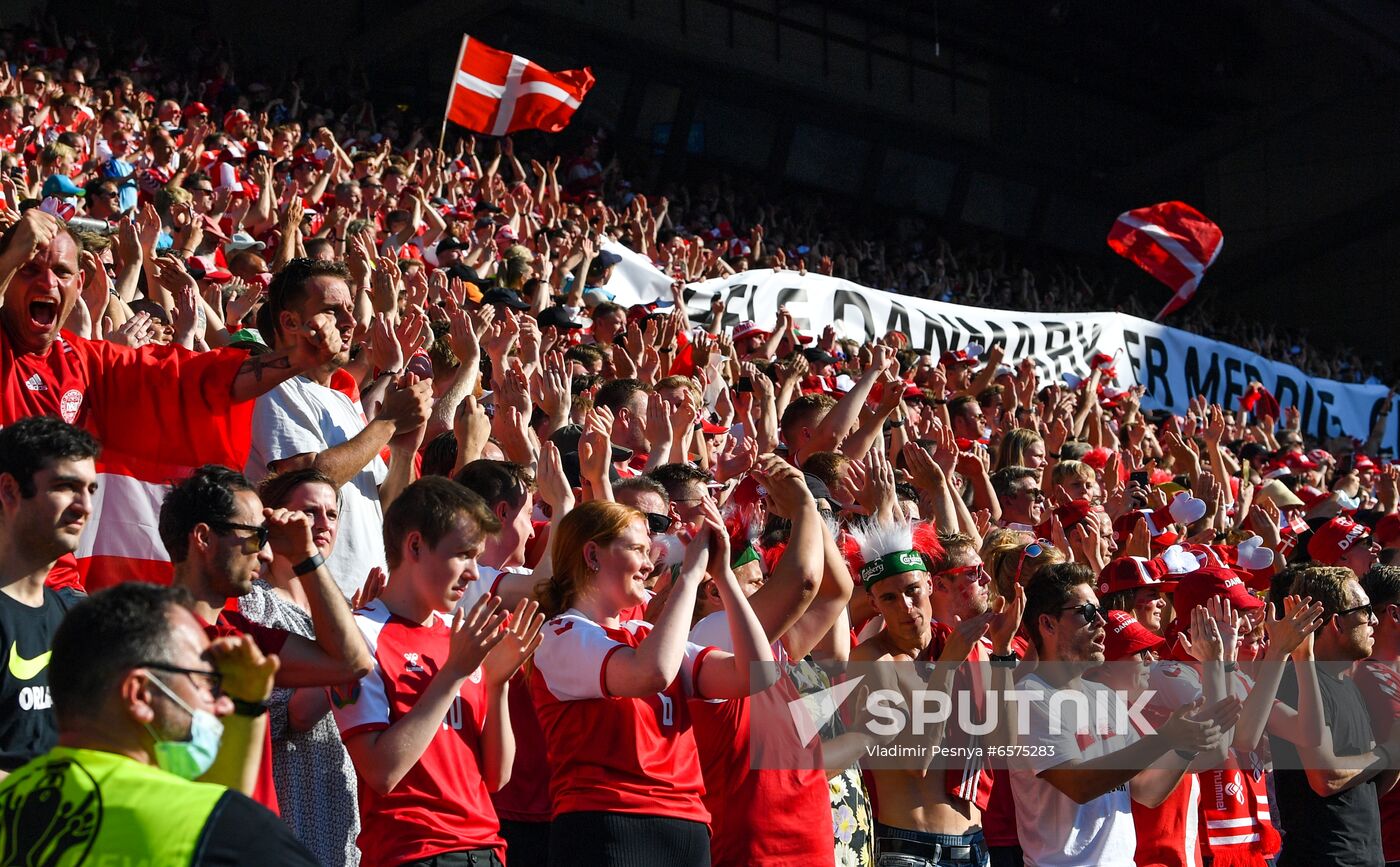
[158, 405]
[39, 258]
[219, 537]
[429, 727]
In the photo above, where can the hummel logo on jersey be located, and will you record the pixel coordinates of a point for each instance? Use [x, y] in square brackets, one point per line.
[410, 662]
[34, 383]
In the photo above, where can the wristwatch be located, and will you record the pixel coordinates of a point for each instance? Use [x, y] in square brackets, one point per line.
[1010, 660]
[309, 565]
[252, 709]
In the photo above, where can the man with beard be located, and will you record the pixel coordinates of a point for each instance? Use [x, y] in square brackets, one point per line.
[47, 481]
[219, 537]
[1075, 785]
[1328, 788]
[316, 419]
[160, 405]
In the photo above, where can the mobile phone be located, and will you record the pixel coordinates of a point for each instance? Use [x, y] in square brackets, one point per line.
[745, 384]
[1140, 477]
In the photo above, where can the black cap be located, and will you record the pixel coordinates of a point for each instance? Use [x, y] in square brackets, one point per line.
[606, 259]
[818, 488]
[566, 439]
[448, 244]
[485, 208]
[558, 317]
[502, 295]
[815, 355]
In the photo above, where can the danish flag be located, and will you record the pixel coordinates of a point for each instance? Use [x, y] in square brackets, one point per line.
[1173, 242]
[497, 93]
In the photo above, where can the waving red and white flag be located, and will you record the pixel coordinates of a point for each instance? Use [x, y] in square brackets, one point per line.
[1173, 242]
[497, 93]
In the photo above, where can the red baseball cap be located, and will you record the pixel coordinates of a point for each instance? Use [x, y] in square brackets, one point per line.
[1387, 530]
[1130, 573]
[1124, 636]
[956, 356]
[1333, 539]
[1207, 582]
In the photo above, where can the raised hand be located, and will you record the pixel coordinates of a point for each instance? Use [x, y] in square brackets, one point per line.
[1006, 620]
[374, 585]
[135, 332]
[1207, 644]
[550, 480]
[474, 634]
[1292, 634]
[965, 635]
[289, 534]
[514, 643]
[247, 674]
[407, 404]
[787, 488]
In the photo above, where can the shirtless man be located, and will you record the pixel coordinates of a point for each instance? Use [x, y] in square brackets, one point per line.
[945, 614]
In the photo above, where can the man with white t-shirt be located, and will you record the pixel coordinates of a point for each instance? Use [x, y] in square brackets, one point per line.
[316, 419]
[1074, 776]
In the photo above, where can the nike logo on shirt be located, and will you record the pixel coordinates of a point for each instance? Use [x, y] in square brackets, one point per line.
[27, 669]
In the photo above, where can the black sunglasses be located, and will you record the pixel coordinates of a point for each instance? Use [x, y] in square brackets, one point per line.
[213, 678]
[658, 524]
[1088, 610]
[1368, 608]
[262, 533]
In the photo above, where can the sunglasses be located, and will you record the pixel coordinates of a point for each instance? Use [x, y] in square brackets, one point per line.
[1369, 608]
[1089, 611]
[658, 524]
[1034, 549]
[260, 535]
[978, 571]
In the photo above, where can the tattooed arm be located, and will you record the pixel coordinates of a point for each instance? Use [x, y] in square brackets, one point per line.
[315, 344]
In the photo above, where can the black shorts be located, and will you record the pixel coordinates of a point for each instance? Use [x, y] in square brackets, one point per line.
[599, 839]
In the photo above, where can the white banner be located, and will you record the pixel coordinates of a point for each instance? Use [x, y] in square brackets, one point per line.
[1174, 365]
[635, 280]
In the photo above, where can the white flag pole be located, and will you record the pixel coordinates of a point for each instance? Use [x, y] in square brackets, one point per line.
[451, 89]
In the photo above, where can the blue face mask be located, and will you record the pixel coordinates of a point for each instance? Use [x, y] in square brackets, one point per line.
[192, 758]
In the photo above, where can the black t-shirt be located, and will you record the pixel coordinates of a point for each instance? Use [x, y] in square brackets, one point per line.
[1343, 829]
[27, 727]
[242, 831]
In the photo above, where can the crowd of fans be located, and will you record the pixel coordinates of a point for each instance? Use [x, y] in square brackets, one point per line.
[469, 564]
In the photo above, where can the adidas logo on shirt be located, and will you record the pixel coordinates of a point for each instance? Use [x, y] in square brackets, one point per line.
[34, 383]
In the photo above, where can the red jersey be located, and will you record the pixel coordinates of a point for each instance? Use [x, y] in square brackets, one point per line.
[1380, 686]
[526, 797]
[619, 755]
[793, 797]
[442, 803]
[158, 411]
[231, 624]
